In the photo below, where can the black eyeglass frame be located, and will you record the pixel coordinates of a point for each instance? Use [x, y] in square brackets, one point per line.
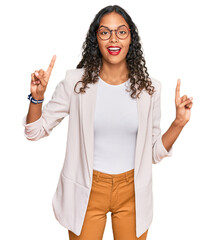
[111, 30]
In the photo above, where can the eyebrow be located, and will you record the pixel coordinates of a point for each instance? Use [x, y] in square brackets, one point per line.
[108, 27]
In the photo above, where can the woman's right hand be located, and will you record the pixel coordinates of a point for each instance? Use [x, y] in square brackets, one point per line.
[39, 80]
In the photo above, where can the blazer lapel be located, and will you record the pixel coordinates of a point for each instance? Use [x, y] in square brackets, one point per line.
[88, 103]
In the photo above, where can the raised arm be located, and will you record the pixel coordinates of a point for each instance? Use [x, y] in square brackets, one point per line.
[39, 81]
[51, 114]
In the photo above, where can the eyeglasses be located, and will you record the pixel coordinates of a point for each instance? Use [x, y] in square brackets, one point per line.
[121, 32]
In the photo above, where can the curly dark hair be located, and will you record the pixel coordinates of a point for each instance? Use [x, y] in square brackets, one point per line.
[92, 57]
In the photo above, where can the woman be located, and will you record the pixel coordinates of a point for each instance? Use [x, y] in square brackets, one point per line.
[113, 136]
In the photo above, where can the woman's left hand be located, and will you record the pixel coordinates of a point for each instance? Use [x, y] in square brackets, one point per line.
[183, 106]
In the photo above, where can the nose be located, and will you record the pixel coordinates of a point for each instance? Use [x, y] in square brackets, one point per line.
[113, 37]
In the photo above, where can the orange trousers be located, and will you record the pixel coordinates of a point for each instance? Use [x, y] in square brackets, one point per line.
[110, 193]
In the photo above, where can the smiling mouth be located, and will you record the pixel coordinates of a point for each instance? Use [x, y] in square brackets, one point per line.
[114, 50]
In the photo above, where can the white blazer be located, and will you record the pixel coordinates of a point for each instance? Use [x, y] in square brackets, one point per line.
[70, 200]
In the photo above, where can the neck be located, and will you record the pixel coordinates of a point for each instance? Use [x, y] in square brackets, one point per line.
[114, 73]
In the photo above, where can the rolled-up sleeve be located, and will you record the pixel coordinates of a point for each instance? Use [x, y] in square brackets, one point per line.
[32, 130]
[158, 149]
[52, 113]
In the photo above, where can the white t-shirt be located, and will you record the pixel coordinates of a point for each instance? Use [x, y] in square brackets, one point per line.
[115, 128]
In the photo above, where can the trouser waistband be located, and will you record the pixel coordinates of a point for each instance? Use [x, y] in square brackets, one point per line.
[113, 177]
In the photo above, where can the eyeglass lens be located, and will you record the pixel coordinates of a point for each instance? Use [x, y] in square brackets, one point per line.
[104, 33]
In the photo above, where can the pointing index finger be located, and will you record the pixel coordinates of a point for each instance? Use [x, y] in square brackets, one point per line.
[51, 65]
[177, 90]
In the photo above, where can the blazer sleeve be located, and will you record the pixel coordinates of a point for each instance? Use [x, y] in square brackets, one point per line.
[158, 149]
[52, 113]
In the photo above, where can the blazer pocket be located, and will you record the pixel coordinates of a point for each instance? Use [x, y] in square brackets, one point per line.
[70, 203]
[74, 182]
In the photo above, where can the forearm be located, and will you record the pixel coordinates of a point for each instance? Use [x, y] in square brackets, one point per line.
[34, 112]
[169, 137]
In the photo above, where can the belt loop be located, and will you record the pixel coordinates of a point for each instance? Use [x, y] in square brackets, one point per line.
[126, 177]
[97, 176]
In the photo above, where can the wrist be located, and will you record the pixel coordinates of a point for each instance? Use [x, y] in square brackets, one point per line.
[37, 97]
[178, 123]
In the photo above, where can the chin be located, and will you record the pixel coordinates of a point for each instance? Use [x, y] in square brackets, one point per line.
[114, 60]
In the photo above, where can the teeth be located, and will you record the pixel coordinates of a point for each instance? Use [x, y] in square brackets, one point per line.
[113, 49]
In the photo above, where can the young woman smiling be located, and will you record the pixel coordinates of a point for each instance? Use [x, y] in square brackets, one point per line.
[113, 137]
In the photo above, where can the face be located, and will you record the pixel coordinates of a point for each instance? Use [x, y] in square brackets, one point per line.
[112, 21]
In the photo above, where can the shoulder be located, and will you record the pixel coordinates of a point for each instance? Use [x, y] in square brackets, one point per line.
[73, 75]
[157, 84]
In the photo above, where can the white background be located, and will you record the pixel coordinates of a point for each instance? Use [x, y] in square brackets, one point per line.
[178, 42]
